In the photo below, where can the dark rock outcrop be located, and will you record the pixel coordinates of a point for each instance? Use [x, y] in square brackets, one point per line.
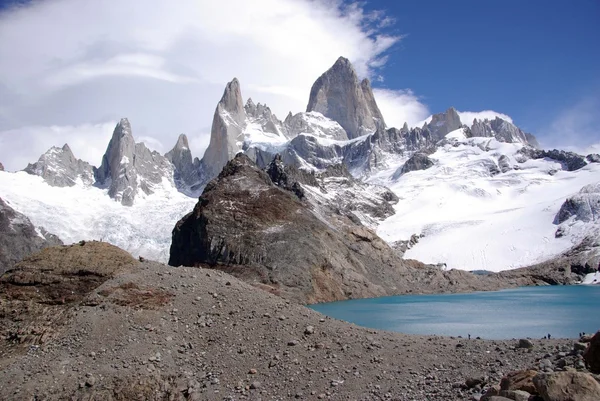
[418, 161]
[339, 95]
[248, 226]
[59, 168]
[19, 238]
[186, 174]
[584, 206]
[591, 356]
[1, 167]
[570, 161]
[128, 167]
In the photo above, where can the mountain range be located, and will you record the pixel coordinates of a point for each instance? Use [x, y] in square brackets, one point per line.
[471, 195]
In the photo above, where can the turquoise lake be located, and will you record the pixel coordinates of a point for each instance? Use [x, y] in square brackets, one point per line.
[562, 311]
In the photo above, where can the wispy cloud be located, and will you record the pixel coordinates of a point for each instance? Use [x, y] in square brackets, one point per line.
[576, 128]
[68, 63]
[400, 106]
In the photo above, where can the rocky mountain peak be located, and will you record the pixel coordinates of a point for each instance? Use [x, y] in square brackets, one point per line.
[231, 101]
[1, 167]
[182, 143]
[339, 95]
[502, 130]
[229, 122]
[128, 167]
[443, 123]
[186, 169]
[60, 168]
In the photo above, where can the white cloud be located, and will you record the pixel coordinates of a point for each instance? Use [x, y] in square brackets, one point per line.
[467, 117]
[576, 128]
[400, 106]
[87, 141]
[70, 62]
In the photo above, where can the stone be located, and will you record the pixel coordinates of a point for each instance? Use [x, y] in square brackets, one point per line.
[516, 395]
[567, 386]
[525, 343]
[309, 330]
[339, 95]
[255, 385]
[591, 356]
[519, 380]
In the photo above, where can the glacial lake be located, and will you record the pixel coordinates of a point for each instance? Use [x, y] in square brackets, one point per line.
[562, 311]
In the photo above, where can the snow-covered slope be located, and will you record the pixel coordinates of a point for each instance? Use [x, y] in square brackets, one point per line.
[84, 212]
[474, 216]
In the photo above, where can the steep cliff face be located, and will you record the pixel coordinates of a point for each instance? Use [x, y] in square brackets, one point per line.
[228, 124]
[128, 168]
[247, 225]
[340, 96]
[186, 170]
[19, 238]
[59, 168]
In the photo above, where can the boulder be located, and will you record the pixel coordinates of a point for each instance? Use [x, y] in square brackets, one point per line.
[567, 386]
[519, 380]
[591, 356]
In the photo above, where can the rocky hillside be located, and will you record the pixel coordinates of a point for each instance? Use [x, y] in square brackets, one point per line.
[19, 238]
[87, 321]
[274, 229]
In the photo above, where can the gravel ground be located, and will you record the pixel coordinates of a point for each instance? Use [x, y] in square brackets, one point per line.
[158, 332]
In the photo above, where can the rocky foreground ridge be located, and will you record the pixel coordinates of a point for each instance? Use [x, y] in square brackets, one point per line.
[87, 321]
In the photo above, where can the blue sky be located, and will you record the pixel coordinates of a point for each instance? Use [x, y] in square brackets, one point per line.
[70, 69]
[530, 59]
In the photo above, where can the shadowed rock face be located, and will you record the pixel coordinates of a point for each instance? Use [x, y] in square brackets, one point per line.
[19, 238]
[59, 168]
[443, 123]
[1, 167]
[570, 161]
[128, 168]
[246, 225]
[418, 161]
[292, 242]
[186, 172]
[339, 95]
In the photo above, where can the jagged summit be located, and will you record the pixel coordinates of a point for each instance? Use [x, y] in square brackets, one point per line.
[339, 95]
[228, 123]
[128, 167]
[60, 168]
[502, 130]
[443, 123]
[231, 101]
[186, 174]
